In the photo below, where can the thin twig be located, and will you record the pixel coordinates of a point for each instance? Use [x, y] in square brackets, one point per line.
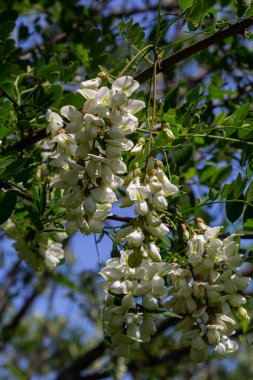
[15, 189]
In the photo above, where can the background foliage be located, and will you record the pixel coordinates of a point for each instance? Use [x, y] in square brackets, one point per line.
[51, 322]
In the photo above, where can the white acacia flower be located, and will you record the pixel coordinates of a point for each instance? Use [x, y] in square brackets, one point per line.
[168, 187]
[153, 219]
[159, 202]
[117, 99]
[71, 113]
[109, 179]
[138, 149]
[103, 194]
[132, 106]
[117, 165]
[87, 93]
[141, 207]
[66, 144]
[53, 254]
[103, 96]
[89, 205]
[102, 211]
[136, 191]
[135, 238]
[95, 225]
[149, 302]
[125, 84]
[124, 124]
[129, 301]
[123, 143]
[154, 252]
[158, 231]
[92, 84]
[155, 185]
[55, 122]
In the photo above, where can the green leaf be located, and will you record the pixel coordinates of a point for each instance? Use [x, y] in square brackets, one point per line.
[7, 23]
[7, 204]
[248, 218]
[238, 186]
[192, 96]
[242, 112]
[185, 4]
[4, 132]
[35, 218]
[234, 209]
[15, 167]
[212, 194]
[171, 98]
[5, 70]
[9, 15]
[170, 314]
[6, 29]
[242, 6]
[245, 130]
[80, 53]
[220, 118]
[196, 15]
[54, 93]
[73, 99]
[245, 324]
[225, 190]
[249, 11]
[135, 259]
[249, 193]
[133, 33]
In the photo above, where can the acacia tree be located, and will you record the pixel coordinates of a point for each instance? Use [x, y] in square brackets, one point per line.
[98, 113]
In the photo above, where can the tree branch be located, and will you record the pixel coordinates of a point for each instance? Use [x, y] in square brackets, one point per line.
[120, 218]
[27, 141]
[82, 362]
[164, 64]
[15, 189]
[8, 280]
[8, 330]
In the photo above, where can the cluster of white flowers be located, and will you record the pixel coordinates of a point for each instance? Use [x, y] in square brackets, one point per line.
[206, 292]
[90, 143]
[205, 289]
[134, 282]
[44, 250]
[132, 295]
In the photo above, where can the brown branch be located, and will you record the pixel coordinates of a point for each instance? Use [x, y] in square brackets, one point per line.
[82, 362]
[15, 189]
[119, 218]
[27, 141]
[164, 64]
[95, 376]
[9, 280]
[9, 330]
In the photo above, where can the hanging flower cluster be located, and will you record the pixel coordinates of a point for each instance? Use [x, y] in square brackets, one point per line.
[89, 150]
[43, 250]
[134, 281]
[206, 292]
[132, 295]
